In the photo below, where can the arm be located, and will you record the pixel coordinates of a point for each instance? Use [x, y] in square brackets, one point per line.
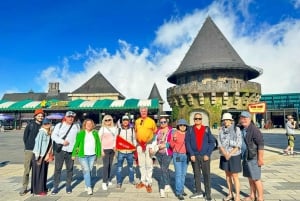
[55, 134]
[26, 133]
[188, 139]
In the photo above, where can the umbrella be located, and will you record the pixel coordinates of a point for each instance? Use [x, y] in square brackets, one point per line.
[55, 116]
[6, 117]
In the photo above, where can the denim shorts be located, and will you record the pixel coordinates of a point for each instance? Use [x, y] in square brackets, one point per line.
[251, 169]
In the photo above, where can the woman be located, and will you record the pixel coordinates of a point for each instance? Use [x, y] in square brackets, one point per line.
[107, 135]
[163, 154]
[230, 142]
[179, 157]
[42, 147]
[87, 147]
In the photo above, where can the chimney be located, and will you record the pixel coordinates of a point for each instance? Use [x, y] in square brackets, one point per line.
[53, 89]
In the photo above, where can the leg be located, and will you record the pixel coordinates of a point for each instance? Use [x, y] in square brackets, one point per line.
[149, 166]
[197, 174]
[85, 170]
[165, 169]
[105, 166]
[69, 166]
[259, 188]
[111, 160]
[59, 161]
[236, 181]
[142, 163]
[129, 160]
[206, 177]
[120, 161]
[229, 184]
[27, 167]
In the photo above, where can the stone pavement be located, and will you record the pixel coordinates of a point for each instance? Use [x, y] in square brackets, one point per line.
[281, 179]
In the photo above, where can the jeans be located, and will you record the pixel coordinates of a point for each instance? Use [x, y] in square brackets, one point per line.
[204, 166]
[107, 164]
[164, 162]
[87, 163]
[60, 158]
[129, 160]
[180, 165]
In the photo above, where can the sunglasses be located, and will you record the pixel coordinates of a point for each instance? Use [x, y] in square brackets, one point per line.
[197, 119]
[142, 122]
[107, 119]
[163, 122]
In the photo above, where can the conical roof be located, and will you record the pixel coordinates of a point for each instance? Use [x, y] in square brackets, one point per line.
[97, 84]
[211, 50]
[155, 93]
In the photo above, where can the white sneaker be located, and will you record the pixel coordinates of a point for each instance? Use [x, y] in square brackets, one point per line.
[162, 193]
[167, 188]
[110, 183]
[89, 191]
[86, 189]
[104, 186]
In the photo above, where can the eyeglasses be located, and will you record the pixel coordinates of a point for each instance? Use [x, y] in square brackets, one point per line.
[107, 119]
[163, 122]
[142, 121]
[197, 119]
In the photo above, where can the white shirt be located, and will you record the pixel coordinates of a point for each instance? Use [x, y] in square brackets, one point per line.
[89, 144]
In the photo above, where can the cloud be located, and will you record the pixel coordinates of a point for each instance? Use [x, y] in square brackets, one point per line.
[133, 70]
[296, 3]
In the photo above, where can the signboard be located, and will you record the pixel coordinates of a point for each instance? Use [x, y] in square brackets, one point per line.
[257, 107]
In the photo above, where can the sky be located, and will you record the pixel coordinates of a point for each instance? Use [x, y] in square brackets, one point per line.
[135, 44]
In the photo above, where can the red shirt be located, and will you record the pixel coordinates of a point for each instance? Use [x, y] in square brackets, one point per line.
[199, 136]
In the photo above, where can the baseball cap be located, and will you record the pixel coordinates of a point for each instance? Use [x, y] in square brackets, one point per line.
[245, 114]
[70, 113]
[125, 117]
[46, 121]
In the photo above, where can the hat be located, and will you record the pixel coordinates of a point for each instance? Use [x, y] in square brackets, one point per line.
[125, 117]
[182, 122]
[46, 121]
[38, 111]
[70, 113]
[245, 114]
[227, 116]
[290, 117]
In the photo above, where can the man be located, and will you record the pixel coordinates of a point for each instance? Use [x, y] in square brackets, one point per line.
[252, 155]
[64, 133]
[290, 132]
[30, 133]
[125, 149]
[145, 128]
[199, 144]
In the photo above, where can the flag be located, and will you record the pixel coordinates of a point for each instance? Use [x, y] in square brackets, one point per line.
[122, 144]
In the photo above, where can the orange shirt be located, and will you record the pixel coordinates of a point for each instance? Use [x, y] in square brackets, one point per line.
[145, 129]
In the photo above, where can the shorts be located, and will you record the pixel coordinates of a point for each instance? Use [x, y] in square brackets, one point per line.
[232, 165]
[251, 169]
[291, 140]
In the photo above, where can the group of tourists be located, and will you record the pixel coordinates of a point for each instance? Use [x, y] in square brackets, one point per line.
[241, 148]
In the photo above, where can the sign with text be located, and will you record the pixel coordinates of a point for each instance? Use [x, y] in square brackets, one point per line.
[257, 107]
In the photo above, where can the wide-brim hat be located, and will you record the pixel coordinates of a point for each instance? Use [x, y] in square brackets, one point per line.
[227, 116]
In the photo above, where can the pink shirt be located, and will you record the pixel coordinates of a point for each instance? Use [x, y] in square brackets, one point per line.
[108, 137]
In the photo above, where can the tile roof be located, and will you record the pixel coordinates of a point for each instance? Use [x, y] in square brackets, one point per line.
[155, 93]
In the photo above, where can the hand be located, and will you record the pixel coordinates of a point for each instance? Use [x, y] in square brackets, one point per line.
[66, 143]
[227, 156]
[39, 161]
[151, 152]
[260, 162]
[73, 158]
[102, 154]
[205, 158]
[193, 158]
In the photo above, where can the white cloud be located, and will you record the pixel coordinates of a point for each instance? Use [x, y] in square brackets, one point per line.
[133, 70]
[296, 3]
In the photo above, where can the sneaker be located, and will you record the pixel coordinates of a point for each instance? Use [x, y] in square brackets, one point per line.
[180, 197]
[86, 189]
[162, 193]
[110, 183]
[196, 195]
[133, 183]
[118, 186]
[149, 188]
[140, 185]
[54, 191]
[89, 191]
[184, 193]
[23, 192]
[69, 190]
[104, 186]
[167, 188]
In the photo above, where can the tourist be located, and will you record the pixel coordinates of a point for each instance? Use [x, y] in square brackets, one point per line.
[252, 156]
[290, 132]
[145, 128]
[107, 135]
[87, 148]
[230, 142]
[40, 159]
[125, 150]
[180, 159]
[29, 136]
[63, 136]
[200, 143]
[163, 154]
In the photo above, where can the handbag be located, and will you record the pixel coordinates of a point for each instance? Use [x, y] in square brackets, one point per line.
[58, 147]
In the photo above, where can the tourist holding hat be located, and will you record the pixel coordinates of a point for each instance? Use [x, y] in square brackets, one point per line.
[229, 143]
[40, 162]
[29, 135]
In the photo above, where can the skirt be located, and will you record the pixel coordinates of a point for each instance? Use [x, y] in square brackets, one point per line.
[232, 165]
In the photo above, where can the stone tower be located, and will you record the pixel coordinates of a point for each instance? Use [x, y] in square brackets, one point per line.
[212, 79]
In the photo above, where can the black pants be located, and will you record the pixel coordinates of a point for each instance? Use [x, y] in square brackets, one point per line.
[107, 165]
[60, 158]
[202, 166]
[39, 176]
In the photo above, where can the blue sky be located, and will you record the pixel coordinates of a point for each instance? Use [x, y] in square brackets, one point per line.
[128, 41]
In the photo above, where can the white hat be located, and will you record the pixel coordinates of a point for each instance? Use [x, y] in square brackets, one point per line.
[227, 116]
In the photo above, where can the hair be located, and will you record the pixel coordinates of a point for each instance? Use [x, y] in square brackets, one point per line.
[186, 127]
[141, 108]
[85, 121]
[197, 113]
[107, 117]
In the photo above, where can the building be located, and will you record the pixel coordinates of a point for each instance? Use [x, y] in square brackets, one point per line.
[212, 79]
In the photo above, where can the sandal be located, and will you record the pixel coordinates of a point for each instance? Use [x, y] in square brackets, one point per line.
[248, 199]
[228, 198]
